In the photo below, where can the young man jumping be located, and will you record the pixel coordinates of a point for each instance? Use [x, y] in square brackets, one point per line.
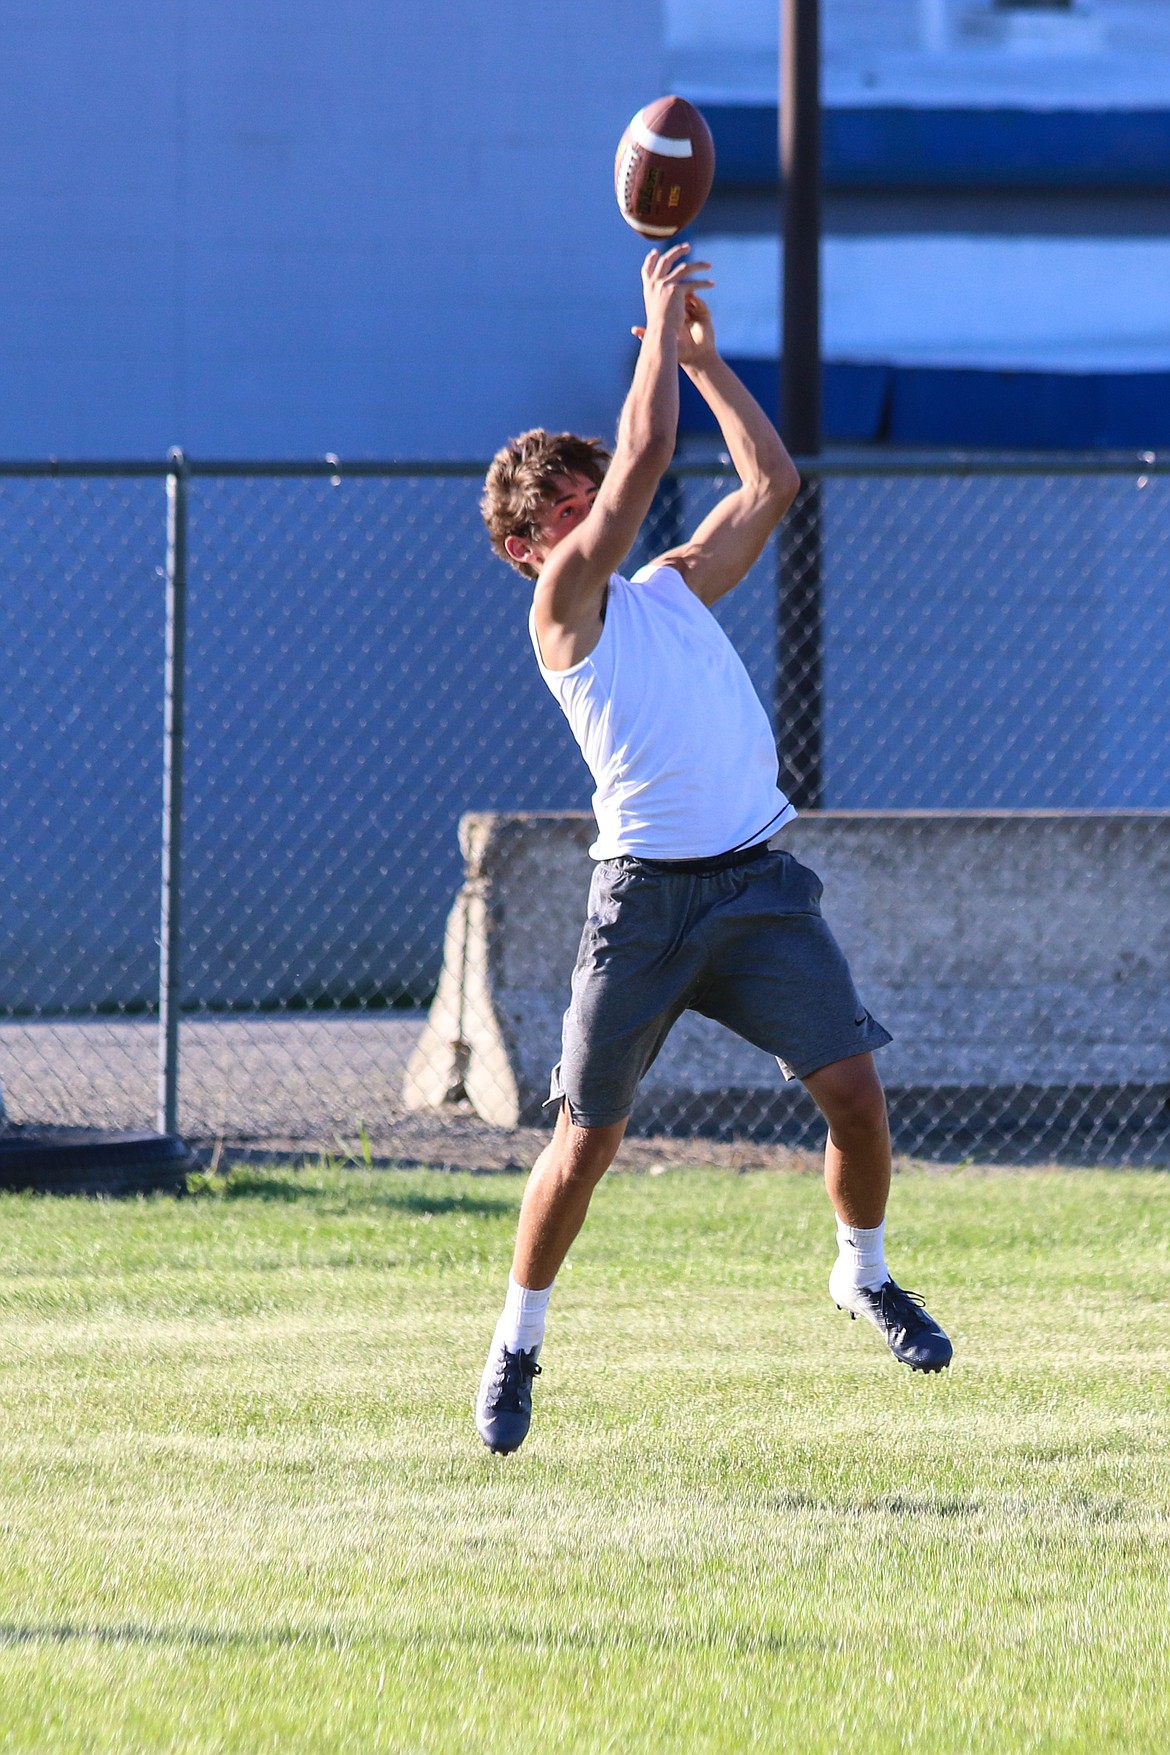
[689, 907]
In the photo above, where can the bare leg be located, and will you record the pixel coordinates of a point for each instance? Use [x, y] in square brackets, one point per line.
[857, 1176]
[551, 1214]
[857, 1152]
[557, 1197]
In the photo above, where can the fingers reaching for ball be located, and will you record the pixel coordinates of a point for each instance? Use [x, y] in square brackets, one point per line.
[670, 286]
[673, 267]
[668, 276]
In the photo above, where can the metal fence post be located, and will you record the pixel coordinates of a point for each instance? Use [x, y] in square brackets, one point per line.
[799, 706]
[800, 729]
[172, 799]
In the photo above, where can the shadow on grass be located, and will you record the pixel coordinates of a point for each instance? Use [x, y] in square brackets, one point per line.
[289, 1190]
[884, 1505]
[132, 1633]
[721, 1637]
[1082, 1507]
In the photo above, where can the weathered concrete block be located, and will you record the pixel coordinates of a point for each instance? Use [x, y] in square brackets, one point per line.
[1000, 948]
[493, 1032]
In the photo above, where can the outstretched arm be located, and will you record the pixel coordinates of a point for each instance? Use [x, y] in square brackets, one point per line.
[731, 538]
[571, 588]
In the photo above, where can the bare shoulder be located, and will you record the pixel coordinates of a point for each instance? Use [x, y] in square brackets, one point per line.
[571, 586]
[567, 613]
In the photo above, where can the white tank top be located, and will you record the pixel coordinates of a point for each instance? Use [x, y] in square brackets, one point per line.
[679, 746]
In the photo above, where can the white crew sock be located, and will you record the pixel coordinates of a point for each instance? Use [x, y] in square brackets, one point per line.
[861, 1256]
[521, 1326]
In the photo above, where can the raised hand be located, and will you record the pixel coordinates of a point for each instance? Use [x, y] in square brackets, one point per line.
[667, 279]
[696, 335]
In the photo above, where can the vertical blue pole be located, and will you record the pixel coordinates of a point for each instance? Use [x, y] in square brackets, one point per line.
[172, 801]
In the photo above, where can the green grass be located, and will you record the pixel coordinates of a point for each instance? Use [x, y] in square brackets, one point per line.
[242, 1506]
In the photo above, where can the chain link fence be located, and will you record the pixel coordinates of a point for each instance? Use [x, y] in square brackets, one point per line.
[976, 635]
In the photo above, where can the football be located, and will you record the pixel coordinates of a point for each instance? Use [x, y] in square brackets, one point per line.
[664, 168]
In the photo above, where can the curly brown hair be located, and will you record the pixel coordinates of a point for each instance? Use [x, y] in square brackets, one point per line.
[521, 476]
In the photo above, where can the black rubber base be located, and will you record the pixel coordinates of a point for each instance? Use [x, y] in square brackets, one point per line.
[84, 1160]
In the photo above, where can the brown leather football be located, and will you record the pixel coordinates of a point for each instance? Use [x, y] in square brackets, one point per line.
[664, 168]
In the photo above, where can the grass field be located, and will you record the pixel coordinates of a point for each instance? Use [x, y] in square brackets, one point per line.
[242, 1505]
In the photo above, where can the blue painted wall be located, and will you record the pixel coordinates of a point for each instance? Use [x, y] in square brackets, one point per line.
[997, 643]
[282, 229]
[360, 674]
[965, 409]
[883, 146]
[389, 231]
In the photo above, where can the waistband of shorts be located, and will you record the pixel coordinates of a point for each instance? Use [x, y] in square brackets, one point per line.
[701, 867]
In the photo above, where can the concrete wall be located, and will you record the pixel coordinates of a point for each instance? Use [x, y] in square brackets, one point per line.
[1001, 949]
[281, 229]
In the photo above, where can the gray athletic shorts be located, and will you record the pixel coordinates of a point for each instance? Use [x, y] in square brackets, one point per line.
[745, 945]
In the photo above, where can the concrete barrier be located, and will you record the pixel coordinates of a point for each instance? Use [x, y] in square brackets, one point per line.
[1002, 949]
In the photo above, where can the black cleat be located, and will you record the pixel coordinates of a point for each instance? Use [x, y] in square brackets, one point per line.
[503, 1407]
[902, 1320]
